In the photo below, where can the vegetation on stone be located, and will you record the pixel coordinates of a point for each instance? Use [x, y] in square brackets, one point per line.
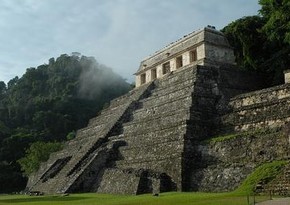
[38, 152]
[251, 133]
[263, 174]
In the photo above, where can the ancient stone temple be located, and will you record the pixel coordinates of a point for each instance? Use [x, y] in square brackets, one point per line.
[155, 138]
[204, 47]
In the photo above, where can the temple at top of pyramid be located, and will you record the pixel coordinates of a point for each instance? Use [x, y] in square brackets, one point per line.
[154, 138]
[207, 47]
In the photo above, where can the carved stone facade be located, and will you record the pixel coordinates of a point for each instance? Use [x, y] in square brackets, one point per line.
[204, 47]
[153, 139]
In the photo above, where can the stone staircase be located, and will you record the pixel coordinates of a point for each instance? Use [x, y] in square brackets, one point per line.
[138, 139]
[155, 136]
[281, 184]
[56, 177]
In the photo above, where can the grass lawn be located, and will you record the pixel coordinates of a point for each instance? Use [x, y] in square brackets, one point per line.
[105, 199]
[237, 197]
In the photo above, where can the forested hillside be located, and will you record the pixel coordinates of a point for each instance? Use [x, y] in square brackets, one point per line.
[48, 104]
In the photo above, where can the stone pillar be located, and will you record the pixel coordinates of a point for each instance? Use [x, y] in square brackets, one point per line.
[138, 80]
[155, 186]
[287, 76]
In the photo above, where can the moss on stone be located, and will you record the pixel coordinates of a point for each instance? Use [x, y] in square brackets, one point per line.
[264, 173]
[256, 133]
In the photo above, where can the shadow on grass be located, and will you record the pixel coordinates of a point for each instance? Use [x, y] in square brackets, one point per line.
[42, 199]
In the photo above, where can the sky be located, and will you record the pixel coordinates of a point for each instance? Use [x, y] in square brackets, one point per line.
[118, 33]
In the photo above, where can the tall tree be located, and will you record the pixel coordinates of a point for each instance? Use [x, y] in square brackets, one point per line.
[262, 42]
[277, 16]
[245, 36]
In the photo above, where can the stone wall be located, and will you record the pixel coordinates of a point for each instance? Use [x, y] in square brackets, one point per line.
[250, 131]
[223, 165]
[258, 110]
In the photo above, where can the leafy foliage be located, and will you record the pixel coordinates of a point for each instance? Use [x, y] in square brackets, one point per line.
[261, 43]
[277, 15]
[37, 153]
[71, 135]
[10, 178]
[50, 101]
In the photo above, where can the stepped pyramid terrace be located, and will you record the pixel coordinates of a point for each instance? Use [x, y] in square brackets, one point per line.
[157, 137]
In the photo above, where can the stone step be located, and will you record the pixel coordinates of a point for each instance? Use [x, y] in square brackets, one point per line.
[178, 113]
[102, 119]
[162, 90]
[176, 77]
[115, 111]
[156, 123]
[132, 95]
[118, 105]
[281, 184]
[273, 123]
[92, 130]
[163, 109]
[116, 181]
[163, 163]
[273, 102]
[179, 124]
[175, 132]
[133, 141]
[254, 119]
[142, 151]
[257, 114]
[161, 99]
[153, 102]
[260, 113]
[261, 96]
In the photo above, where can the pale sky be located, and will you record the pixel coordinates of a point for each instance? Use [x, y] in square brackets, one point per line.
[118, 33]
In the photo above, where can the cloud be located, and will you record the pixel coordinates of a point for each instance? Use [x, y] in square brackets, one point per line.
[118, 33]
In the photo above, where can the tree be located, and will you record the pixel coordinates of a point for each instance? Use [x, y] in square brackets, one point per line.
[262, 42]
[2, 88]
[11, 180]
[248, 42]
[277, 16]
[12, 82]
[37, 153]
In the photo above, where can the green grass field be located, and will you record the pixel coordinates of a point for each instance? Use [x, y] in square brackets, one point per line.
[105, 199]
[237, 197]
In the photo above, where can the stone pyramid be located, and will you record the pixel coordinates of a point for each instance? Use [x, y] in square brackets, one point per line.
[149, 140]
